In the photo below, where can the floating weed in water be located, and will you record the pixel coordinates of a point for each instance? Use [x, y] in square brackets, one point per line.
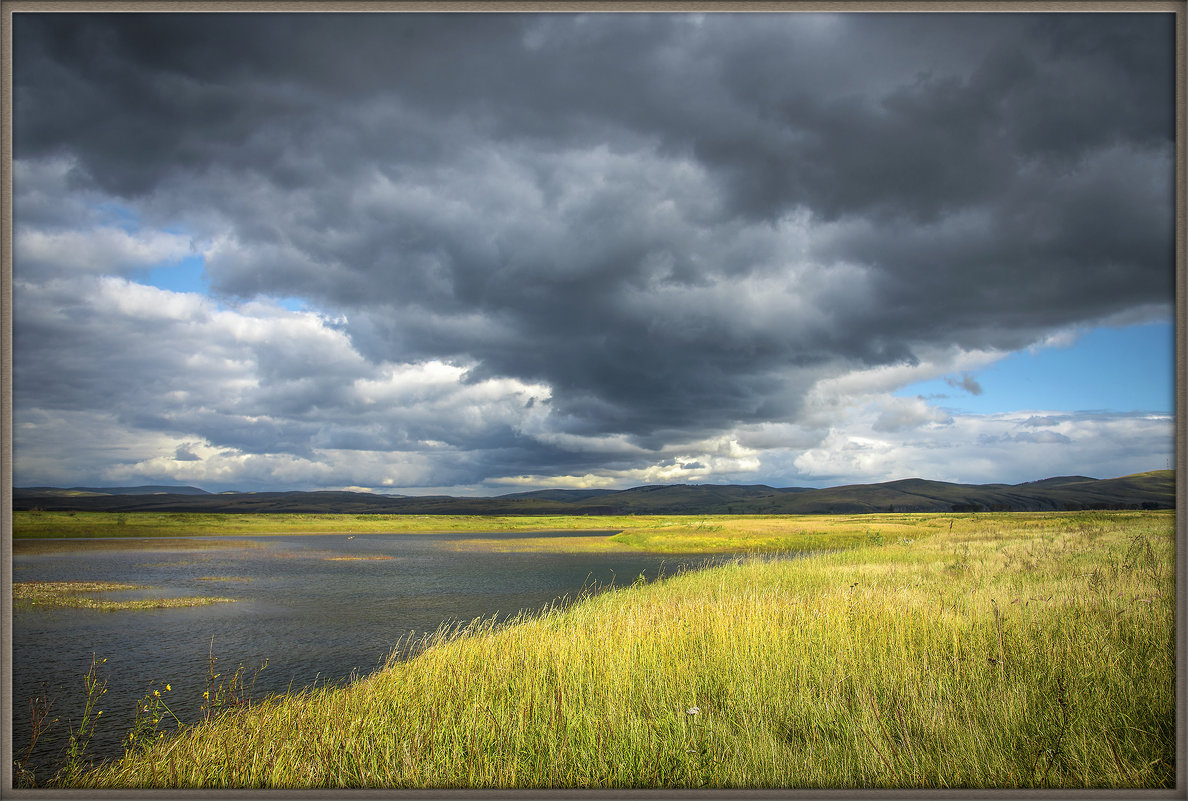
[223, 578]
[46, 590]
[78, 595]
[357, 558]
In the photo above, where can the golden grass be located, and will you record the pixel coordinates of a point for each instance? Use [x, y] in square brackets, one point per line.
[993, 651]
[657, 532]
[37, 524]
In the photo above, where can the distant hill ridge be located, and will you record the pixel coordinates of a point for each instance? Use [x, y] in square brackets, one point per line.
[1151, 490]
[145, 490]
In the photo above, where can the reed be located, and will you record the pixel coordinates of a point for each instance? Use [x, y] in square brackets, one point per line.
[981, 651]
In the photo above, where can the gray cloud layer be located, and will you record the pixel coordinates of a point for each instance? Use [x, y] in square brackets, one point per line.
[677, 223]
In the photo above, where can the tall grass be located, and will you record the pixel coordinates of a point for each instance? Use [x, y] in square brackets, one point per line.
[1001, 652]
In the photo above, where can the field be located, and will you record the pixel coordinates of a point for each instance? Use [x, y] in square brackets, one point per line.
[657, 533]
[939, 651]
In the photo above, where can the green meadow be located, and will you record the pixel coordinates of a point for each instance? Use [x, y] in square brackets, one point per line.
[656, 533]
[57, 525]
[924, 651]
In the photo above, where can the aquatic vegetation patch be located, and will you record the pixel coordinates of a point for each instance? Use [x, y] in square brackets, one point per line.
[80, 595]
[377, 558]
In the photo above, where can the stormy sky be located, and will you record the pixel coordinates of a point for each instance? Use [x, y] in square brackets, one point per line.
[481, 253]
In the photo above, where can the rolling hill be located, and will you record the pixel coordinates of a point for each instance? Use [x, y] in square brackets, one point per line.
[1153, 490]
[74, 492]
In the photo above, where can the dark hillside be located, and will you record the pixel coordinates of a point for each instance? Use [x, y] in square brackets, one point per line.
[146, 490]
[564, 495]
[1153, 490]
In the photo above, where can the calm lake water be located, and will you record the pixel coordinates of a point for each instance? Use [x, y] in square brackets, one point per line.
[315, 617]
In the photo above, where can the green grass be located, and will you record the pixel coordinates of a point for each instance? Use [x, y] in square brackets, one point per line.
[707, 533]
[653, 533]
[80, 595]
[33, 524]
[994, 651]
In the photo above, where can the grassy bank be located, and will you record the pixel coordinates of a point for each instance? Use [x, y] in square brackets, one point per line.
[655, 533]
[999, 651]
[33, 524]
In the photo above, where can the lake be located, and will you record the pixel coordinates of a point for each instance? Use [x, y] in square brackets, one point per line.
[319, 608]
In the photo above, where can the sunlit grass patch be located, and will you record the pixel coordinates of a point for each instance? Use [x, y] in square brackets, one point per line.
[376, 558]
[80, 595]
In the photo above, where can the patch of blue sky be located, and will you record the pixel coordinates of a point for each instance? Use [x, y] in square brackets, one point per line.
[1128, 369]
[291, 303]
[186, 275]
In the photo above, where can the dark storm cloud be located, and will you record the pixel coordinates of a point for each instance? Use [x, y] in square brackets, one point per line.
[966, 382]
[679, 223]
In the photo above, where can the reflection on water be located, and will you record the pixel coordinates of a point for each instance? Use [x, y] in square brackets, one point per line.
[318, 608]
[93, 544]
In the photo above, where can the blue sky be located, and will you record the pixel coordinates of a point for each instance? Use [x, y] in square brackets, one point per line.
[188, 276]
[1120, 369]
[183, 276]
